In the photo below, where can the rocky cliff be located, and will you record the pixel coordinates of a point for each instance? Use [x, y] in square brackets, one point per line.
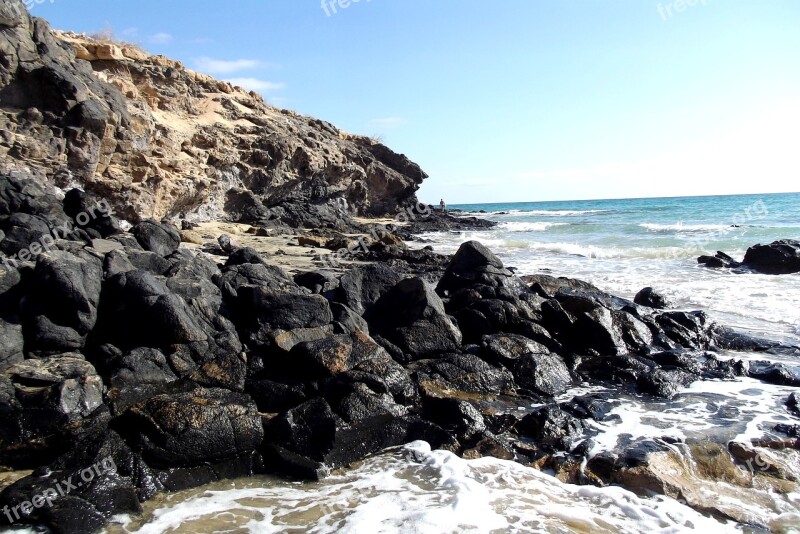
[157, 140]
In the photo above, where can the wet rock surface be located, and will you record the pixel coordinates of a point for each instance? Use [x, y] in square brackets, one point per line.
[163, 370]
[186, 371]
[778, 257]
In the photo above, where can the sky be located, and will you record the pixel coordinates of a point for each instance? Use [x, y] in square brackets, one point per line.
[512, 100]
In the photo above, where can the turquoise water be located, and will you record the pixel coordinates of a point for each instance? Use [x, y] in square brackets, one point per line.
[625, 245]
[655, 226]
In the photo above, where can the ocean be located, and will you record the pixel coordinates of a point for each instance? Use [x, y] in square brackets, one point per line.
[620, 246]
[624, 245]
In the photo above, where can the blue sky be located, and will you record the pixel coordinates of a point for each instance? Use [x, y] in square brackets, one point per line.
[517, 100]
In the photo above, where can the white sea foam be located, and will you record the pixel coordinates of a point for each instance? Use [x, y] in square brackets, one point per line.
[422, 491]
[680, 227]
[608, 251]
[529, 226]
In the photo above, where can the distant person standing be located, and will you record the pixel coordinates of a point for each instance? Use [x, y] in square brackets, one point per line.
[443, 206]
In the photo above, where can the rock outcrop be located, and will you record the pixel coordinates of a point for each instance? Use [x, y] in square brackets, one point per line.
[173, 371]
[161, 370]
[778, 257]
[157, 140]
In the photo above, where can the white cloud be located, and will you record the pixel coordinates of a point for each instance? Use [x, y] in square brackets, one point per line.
[254, 84]
[388, 122]
[130, 32]
[222, 66]
[161, 38]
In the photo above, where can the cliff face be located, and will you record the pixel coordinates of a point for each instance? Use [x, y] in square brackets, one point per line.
[156, 139]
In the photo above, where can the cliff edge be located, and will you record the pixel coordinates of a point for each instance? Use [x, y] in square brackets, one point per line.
[157, 140]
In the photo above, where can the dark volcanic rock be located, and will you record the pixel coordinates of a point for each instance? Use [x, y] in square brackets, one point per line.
[139, 310]
[272, 277]
[793, 404]
[475, 264]
[651, 298]
[318, 439]
[484, 310]
[163, 239]
[455, 416]
[44, 404]
[411, 315]
[584, 324]
[244, 255]
[719, 260]
[91, 215]
[779, 257]
[85, 508]
[190, 429]
[641, 373]
[285, 312]
[550, 427]
[547, 286]
[465, 373]
[507, 349]
[362, 286]
[348, 320]
[264, 314]
[357, 402]
[685, 329]
[61, 309]
[544, 374]
[588, 407]
[333, 355]
[319, 282]
[729, 339]
[774, 373]
[273, 396]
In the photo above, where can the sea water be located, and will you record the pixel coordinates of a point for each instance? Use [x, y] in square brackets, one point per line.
[621, 246]
[624, 245]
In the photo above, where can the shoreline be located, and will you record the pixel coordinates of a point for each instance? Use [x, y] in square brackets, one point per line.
[315, 371]
[141, 357]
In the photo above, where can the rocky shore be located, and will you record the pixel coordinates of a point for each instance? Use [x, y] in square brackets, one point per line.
[197, 286]
[126, 349]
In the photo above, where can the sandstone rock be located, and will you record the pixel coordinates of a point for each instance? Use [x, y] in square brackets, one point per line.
[312, 241]
[188, 236]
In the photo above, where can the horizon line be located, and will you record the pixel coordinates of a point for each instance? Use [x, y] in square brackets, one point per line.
[616, 198]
